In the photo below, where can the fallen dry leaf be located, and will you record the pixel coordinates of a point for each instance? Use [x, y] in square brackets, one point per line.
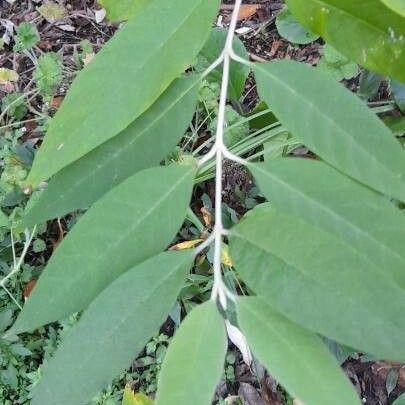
[188, 244]
[207, 217]
[246, 11]
[57, 101]
[28, 289]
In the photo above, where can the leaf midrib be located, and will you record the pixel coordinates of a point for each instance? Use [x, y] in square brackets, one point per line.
[337, 216]
[124, 319]
[295, 352]
[308, 275]
[198, 344]
[118, 241]
[87, 175]
[146, 61]
[332, 122]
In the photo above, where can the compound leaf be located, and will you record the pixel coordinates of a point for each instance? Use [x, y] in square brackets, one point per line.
[123, 80]
[120, 230]
[319, 282]
[332, 201]
[349, 136]
[86, 180]
[296, 357]
[113, 330]
[367, 32]
[194, 361]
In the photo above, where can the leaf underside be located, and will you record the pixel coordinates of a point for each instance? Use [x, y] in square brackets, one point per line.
[346, 134]
[318, 281]
[113, 330]
[131, 223]
[337, 204]
[123, 80]
[194, 361]
[143, 144]
[296, 357]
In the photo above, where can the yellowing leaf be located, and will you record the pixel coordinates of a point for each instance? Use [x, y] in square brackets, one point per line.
[8, 75]
[188, 244]
[130, 398]
[226, 257]
[52, 12]
[207, 216]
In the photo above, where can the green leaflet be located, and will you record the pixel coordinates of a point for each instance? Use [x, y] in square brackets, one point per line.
[292, 30]
[194, 361]
[238, 72]
[397, 5]
[3, 219]
[319, 282]
[297, 358]
[113, 330]
[400, 400]
[123, 9]
[120, 230]
[324, 197]
[143, 144]
[347, 135]
[367, 32]
[124, 79]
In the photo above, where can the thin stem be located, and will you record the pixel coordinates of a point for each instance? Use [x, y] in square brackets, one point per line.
[18, 99]
[12, 297]
[205, 244]
[219, 290]
[12, 124]
[237, 124]
[213, 66]
[13, 249]
[28, 240]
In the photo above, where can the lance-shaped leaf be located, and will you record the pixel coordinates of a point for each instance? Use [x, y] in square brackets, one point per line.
[367, 32]
[143, 144]
[194, 361]
[320, 282]
[124, 79]
[132, 222]
[296, 357]
[332, 201]
[113, 330]
[334, 123]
